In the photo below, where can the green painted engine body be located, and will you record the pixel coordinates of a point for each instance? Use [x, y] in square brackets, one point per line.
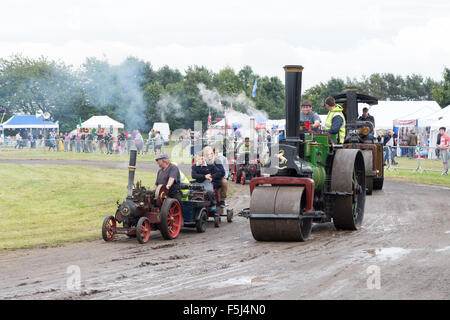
[316, 150]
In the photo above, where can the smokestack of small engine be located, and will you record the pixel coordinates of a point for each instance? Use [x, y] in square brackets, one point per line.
[131, 170]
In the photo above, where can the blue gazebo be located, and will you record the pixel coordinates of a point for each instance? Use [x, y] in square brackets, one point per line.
[28, 122]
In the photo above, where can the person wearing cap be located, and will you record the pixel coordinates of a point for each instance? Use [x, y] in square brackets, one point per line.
[367, 117]
[169, 175]
[308, 115]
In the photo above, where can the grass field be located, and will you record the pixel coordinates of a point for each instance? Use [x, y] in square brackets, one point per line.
[426, 177]
[425, 164]
[48, 205]
[41, 153]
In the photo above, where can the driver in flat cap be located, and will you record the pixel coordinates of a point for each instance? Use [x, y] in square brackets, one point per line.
[169, 175]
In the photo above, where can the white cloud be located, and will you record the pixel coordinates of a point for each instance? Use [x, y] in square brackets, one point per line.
[328, 39]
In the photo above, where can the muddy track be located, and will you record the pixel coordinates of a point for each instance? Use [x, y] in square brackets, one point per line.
[406, 234]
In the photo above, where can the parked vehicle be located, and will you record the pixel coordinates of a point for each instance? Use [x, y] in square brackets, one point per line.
[163, 128]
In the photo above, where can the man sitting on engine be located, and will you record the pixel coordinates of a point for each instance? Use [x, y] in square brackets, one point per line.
[169, 175]
[204, 172]
[220, 158]
[367, 117]
[308, 115]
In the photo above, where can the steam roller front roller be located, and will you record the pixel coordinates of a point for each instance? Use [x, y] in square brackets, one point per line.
[275, 214]
[348, 188]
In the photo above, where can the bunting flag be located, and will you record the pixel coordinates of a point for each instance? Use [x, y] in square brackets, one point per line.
[79, 126]
[255, 86]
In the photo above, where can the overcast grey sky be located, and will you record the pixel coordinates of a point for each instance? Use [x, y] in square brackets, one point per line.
[329, 38]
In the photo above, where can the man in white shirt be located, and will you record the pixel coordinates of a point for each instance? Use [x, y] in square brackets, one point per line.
[224, 161]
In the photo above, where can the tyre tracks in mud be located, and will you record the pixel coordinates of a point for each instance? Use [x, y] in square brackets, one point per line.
[227, 263]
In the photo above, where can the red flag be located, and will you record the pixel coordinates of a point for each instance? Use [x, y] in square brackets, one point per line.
[209, 119]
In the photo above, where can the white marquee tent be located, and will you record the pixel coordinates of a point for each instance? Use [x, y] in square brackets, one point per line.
[103, 121]
[437, 119]
[385, 112]
[434, 122]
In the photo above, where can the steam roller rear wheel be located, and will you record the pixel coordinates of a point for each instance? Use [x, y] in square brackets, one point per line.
[348, 177]
[171, 217]
[275, 201]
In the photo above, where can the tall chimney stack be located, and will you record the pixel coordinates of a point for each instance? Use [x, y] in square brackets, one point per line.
[293, 85]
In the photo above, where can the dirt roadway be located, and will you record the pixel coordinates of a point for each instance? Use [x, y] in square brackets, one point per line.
[406, 234]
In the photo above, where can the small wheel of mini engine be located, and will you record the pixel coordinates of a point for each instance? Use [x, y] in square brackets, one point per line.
[217, 221]
[143, 230]
[171, 219]
[109, 228]
[200, 225]
[243, 177]
[229, 215]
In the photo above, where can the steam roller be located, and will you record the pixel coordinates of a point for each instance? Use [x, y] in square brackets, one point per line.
[308, 179]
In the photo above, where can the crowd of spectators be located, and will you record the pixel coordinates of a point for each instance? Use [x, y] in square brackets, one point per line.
[86, 141]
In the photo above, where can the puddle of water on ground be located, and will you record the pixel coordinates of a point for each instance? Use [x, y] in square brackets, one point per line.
[239, 281]
[443, 249]
[393, 253]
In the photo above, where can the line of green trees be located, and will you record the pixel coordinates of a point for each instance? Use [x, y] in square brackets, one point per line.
[130, 92]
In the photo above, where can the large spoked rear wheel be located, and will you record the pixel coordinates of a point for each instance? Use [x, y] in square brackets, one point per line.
[348, 180]
[171, 217]
[143, 230]
[109, 228]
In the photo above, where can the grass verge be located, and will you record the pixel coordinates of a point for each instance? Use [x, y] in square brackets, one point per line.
[406, 170]
[48, 205]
